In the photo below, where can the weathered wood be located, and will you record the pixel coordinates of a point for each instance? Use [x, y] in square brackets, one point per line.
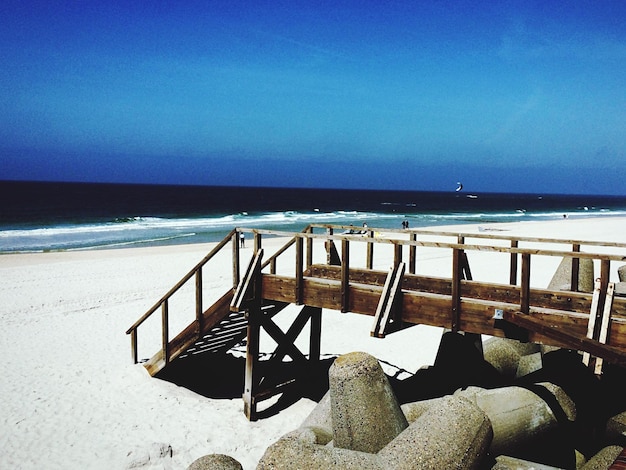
[247, 284]
[560, 318]
[255, 317]
[582, 343]
[593, 315]
[345, 275]
[236, 261]
[412, 254]
[525, 287]
[604, 326]
[165, 331]
[513, 264]
[575, 268]
[299, 270]
[388, 302]
[369, 263]
[456, 289]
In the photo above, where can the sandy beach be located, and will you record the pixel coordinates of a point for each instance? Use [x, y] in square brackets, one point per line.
[72, 398]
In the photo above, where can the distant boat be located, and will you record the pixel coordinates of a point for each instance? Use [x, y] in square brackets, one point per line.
[459, 186]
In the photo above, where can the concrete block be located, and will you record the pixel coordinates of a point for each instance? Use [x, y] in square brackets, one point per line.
[215, 462]
[364, 410]
[616, 429]
[504, 462]
[504, 354]
[603, 459]
[562, 279]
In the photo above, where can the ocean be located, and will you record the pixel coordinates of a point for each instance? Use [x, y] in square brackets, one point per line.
[46, 216]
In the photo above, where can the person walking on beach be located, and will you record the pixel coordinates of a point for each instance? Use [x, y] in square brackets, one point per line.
[242, 240]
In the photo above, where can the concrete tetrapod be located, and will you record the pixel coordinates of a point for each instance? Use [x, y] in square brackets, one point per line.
[518, 416]
[364, 410]
[452, 433]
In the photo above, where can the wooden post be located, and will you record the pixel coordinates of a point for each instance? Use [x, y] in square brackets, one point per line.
[525, 286]
[254, 314]
[133, 346]
[165, 331]
[370, 250]
[299, 270]
[257, 242]
[412, 254]
[309, 248]
[328, 243]
[199, 299]
[236, 260]
[456, 289]
[513, 267]
[345, 275]
[575, 268]
[397, 254]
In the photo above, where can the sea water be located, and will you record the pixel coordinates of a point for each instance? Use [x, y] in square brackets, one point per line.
[43, 216]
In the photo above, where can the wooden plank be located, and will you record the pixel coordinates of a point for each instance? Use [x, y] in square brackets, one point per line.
[581, 343]
[388, 301]
[513, 264]
[165, 331]
[456, 289]
[525, 287]
[245, 286]
[395, 296]
[299, 269]
[345, 275]
[604, 326]
[593, 315]
[369, 264]
[382, 301]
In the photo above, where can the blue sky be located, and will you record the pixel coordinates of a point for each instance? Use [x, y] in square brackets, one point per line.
[516, 96]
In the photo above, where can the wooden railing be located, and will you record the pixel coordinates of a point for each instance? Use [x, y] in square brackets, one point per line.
[163, 303]
[399, 239]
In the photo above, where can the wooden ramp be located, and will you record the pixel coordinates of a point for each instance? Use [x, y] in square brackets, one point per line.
[397, 298]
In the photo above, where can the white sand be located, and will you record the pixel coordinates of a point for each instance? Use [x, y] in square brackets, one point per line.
[71, 397]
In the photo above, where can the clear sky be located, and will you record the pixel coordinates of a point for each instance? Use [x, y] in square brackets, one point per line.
[517, 96]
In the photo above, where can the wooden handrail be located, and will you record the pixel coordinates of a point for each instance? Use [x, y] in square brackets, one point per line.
[182, 282]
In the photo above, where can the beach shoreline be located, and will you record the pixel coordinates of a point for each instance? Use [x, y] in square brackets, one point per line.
[73, 398]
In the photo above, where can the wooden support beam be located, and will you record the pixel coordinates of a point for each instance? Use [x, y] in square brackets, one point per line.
[285, 341]
[513, 266]
[246, 285]
[236, 259]
[397, 254]
[345, 275]
[370, 250]
[412, 254]
[309, 248]
[456, 289]
[604, 326]
[165, 331]
[254, 315]
[199, 308]
[525, 287]
[610, 353]
[575, 269]
[299, 269]
[593, 315]
[390, 300]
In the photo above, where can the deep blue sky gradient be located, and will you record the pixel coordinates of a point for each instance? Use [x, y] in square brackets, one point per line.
[507, 96]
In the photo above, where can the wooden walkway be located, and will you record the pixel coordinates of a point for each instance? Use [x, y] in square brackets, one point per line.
[395, 298]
